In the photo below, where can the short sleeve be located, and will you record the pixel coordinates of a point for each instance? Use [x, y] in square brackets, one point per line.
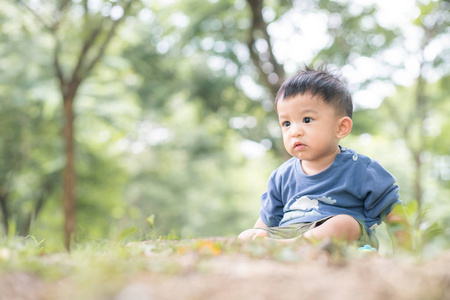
[271, 204]
[380, 193]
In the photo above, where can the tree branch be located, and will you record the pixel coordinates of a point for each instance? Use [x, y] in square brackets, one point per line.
[108, 38]
[59, 13]
[84, 50]
[35, 15]
[49, 27]
[259, 25]
[57, 65]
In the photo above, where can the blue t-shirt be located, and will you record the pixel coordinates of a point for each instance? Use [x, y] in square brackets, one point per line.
[353, 185]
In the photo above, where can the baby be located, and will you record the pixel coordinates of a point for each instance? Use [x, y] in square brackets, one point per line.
[325, 190]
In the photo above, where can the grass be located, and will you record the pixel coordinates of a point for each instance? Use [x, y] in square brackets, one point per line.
[103, 270]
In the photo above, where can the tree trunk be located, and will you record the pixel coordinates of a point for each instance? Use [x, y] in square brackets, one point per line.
[421, 112]
[4, 209]
[47, 188]
[69, 172]
[418, 179]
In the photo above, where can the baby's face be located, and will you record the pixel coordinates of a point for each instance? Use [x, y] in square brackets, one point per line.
[309, 127]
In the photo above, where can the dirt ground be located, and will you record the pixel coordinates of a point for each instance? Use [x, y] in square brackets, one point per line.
[300, 274]
[369, 278]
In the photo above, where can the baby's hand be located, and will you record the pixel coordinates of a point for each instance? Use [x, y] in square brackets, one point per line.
[251, 234]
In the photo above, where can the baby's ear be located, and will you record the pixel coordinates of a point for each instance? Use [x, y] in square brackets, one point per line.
[345, 125]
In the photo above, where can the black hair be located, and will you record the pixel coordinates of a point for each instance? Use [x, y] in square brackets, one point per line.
[322, 83]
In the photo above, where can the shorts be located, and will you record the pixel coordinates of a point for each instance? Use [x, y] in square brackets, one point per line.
[295, 230]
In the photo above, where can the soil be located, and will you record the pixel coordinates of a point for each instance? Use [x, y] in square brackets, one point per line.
[307, 273]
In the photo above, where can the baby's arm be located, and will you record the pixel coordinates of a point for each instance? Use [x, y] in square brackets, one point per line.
[260, 224]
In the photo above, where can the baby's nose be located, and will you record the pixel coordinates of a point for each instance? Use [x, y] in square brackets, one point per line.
[296, 130]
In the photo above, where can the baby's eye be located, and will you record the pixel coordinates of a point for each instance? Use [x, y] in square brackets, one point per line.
[286, 124]
[307, 120]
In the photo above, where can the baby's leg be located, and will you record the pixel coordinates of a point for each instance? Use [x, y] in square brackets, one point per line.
[251, 234]
[342, 227]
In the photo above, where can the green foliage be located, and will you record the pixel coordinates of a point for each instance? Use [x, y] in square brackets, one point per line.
[182, 181]
[163, 118]
[427, 233]
[350, 35]
[127, 233]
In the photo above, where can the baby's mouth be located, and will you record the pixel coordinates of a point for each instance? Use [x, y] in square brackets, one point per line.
[299, 146]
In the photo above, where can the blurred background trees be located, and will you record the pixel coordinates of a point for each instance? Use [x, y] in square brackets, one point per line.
[174, 129]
